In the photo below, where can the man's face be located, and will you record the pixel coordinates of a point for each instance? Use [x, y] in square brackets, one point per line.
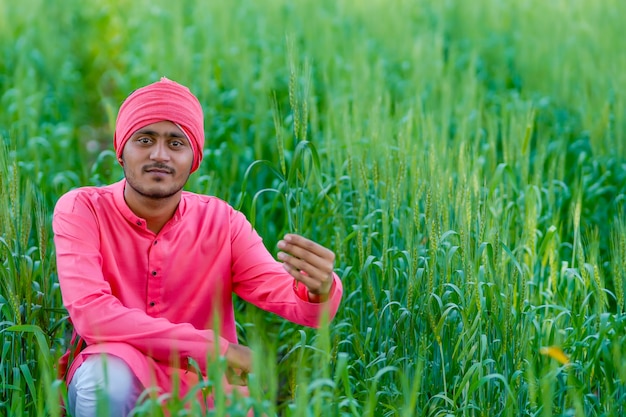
[157, 160]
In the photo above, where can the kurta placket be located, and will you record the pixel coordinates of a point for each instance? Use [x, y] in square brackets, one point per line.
[156, 270]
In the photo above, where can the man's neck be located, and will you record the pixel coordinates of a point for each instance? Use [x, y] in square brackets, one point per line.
[156, 212]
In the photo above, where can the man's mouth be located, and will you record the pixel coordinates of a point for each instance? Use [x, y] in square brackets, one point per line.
[159, 170]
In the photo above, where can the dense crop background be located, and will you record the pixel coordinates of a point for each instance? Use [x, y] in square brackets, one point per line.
[466, 161]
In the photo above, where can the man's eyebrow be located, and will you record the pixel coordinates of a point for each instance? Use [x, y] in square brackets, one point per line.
[155, 133]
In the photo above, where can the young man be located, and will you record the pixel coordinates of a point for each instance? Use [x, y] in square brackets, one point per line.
[146, 269]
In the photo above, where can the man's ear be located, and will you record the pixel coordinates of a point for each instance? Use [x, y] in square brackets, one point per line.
[121, 161]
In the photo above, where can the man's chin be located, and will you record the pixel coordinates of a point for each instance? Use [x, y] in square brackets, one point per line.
[156, 193]
[160, 194]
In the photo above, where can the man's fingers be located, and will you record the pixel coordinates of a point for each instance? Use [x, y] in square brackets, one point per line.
[314, 284]
[308, 262]
[307, 250]
[300, 246]
[320, 271]
[239, 357]
[235, 378]
[312, 271]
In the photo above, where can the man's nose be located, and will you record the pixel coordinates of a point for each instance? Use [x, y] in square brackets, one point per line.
[160, 152]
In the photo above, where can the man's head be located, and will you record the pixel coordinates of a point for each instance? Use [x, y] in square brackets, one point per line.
[164, 100]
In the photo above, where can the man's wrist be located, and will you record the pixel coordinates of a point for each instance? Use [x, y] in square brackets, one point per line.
[317, 298]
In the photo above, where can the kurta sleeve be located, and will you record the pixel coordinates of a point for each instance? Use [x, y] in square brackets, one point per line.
[98, 316]
[261, 280]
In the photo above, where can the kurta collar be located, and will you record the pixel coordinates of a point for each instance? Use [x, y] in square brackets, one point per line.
[120, 203]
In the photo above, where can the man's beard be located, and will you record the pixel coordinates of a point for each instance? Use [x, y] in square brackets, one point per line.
[156, 194]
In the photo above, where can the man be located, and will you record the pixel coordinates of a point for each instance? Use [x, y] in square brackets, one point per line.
[147, 269]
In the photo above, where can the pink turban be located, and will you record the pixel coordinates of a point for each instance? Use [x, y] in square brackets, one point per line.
[162, 100]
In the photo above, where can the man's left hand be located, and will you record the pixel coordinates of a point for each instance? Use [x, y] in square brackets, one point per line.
[309, 263]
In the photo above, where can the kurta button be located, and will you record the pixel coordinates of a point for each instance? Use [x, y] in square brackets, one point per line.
[154, 273]
[155, 242]
[138, 223]
[152, 304]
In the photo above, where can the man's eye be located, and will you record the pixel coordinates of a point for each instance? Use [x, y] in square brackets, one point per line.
[144, 140]
[176, 144]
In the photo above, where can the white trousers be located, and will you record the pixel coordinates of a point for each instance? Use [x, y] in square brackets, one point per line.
[103, 385]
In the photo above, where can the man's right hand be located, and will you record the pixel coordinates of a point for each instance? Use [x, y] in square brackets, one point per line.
[239, 358]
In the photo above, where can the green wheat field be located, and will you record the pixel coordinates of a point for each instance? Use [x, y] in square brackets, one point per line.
[465, 160]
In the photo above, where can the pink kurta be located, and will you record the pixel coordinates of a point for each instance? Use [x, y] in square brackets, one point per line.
[152, 300]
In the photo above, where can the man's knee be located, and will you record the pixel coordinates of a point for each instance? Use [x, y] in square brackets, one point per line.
[103, 381]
